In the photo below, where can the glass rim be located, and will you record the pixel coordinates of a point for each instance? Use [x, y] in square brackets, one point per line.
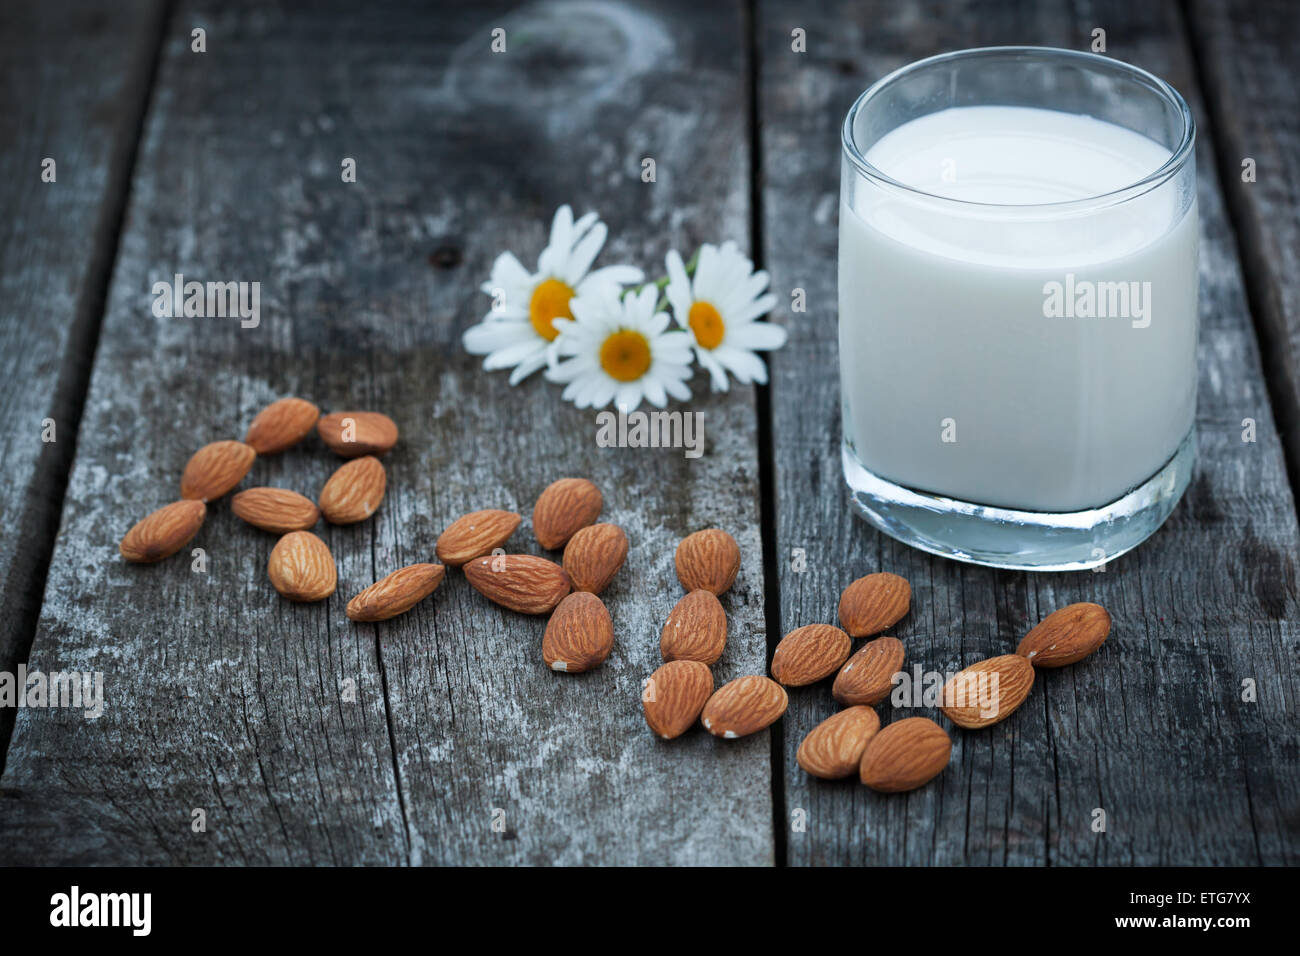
[1177, 159]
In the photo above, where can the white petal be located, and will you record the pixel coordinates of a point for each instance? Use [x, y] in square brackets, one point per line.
[757, 335]
[753, 310]
[494, 334]
[628, 396]
[612, 275]
[746, 366]
[717, 375]
[584, 254]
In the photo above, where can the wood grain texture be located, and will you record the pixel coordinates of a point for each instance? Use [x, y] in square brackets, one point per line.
[1152, 729]
[1247, 61]
[73, 77]
[222, 696]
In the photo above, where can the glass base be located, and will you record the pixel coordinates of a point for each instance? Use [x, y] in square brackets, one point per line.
[1024, 540]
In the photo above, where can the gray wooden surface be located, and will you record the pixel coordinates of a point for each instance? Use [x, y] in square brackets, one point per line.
[55, 256]
[223, 697]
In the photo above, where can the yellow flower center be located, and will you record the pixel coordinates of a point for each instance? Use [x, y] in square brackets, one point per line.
[707, 325]
[625, 355]
[550, 301]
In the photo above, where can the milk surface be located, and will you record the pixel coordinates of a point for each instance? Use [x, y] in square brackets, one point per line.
[943, 332]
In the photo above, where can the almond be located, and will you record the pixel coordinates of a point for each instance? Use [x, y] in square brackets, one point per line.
[397, 593]
[281, 424]
[302, 568]
[1066, 636]
[564, 507]
[353, 434]
[593, 556]
[696, 629]
[833, 749]
[905, 755]
[708, 560]
[162, 533]
[216, 468]
[869, 674]
[275, 509]
[579, 635]
[874, 603]
[987, 691]
[520, 582]
[353, 493]
[743, 706]
[474, 535]
[809, 653]
[674, 696]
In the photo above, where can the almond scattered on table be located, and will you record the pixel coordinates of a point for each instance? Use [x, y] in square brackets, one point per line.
[275, 509]
[905, 755]
[874, 603]
[216, 468]
[593, 556]
[744, 706]
[696, 629]
[833, 749]
[163, 532]
[397, 593]
[1066, 636]
[565, 506]
[868, 676]
[987, 691]
[353, 434]
[302, 568]
[354, 491]
[708, 560]
[281, 425]
[474, 535]
[579, 635]
[674, 696]
[809, 653]
[520, 582]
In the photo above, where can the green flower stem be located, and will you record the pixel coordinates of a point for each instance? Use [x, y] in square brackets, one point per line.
[662, 283]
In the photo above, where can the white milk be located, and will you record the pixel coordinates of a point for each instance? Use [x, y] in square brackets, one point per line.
[942, 324]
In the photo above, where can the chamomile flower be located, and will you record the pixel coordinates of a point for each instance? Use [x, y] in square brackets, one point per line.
[719, 305]
[620, 350]
[519, 332]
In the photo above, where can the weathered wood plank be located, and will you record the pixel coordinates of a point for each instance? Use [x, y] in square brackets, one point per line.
[222, 696]
[1247, 58]
[73, 78]
[1153, 729]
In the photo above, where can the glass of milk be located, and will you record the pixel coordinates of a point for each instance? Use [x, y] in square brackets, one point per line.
[1018, 305]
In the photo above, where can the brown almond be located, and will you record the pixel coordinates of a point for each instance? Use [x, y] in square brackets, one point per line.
[162, 533]
[281, 425]
[987, 691]
[833, 749]
[593, 556]
[275, 509]
[474, 535]
[1066, 636]
[868, 676]
[744, 706]
[809, 653]
[565, 506]
[353, 434]
[397, 593]
[353, 493]
[216, 468]
[874, 603]
[674, 696]
[302, 568]
[708, 560]
[905, 755]
[520, 582]
[696, 629]
[579, 635]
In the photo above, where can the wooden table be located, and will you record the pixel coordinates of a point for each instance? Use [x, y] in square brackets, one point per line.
[457, 745]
